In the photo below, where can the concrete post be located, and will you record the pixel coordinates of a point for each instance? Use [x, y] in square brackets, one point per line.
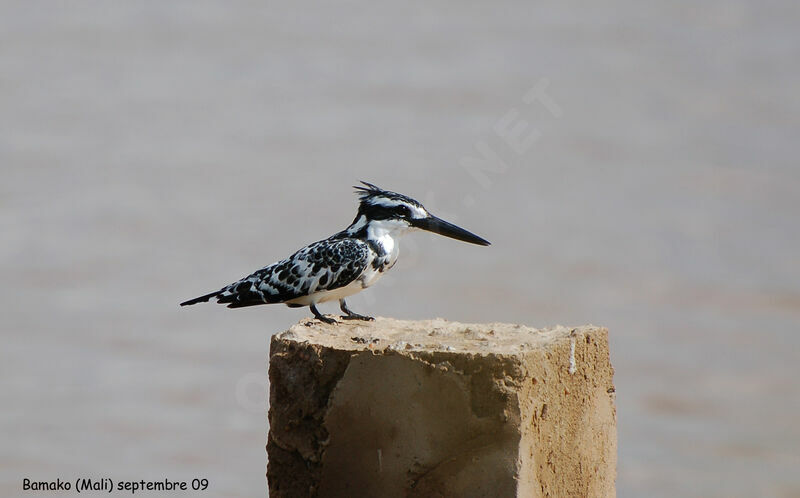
[395, 408]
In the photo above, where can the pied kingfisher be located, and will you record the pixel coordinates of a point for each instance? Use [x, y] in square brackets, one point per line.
[343, 264]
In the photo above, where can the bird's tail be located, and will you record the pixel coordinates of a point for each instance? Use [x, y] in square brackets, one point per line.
[201, 299]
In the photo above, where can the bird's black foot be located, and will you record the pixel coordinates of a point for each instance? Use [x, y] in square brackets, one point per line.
[322, 318]
[350, 315]
[356, 316]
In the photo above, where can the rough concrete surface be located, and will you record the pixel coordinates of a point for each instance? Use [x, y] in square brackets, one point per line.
[438, 408]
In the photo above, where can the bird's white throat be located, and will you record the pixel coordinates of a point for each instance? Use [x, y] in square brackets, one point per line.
[386, 233]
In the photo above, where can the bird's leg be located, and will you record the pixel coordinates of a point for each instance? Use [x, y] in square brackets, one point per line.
[320, 316]
[350, 315]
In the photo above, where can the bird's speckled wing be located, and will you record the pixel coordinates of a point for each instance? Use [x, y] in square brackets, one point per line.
[324, 265]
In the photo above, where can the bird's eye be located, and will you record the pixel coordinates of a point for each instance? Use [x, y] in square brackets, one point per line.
[403, 210]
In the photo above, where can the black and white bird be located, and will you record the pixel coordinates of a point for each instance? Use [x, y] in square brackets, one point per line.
[343, 264]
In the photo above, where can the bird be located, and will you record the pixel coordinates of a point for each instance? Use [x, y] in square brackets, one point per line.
[345, 263]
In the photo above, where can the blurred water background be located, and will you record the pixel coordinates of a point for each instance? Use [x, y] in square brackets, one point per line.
[153, 151]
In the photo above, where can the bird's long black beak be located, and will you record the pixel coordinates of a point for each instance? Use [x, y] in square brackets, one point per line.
[438, 225]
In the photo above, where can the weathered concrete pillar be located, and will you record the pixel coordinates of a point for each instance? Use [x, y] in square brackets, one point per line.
[434, 408]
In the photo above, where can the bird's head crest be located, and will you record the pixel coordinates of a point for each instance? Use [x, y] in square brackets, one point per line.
[371, 194]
